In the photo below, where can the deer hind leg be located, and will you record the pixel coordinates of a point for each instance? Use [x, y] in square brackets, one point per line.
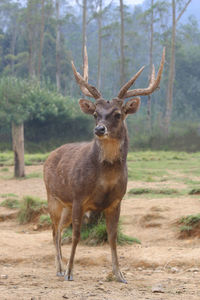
[112, 218]
[77, 215]
[60, 217]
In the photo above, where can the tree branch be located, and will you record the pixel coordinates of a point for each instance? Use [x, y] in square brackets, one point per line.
[182, 11]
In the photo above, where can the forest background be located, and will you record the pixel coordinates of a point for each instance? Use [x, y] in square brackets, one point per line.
[38, 40]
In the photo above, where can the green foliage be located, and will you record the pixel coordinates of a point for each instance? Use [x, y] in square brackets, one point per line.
[123, 239]
[194, 191]
[52, 119]
[6, 158]
[45, 220]
[158, 166]
[30, 207]
[35, 159]
[189, 226]
[22, 100]
[33, 175]
[191, 220]
[10, 203]
[140, 191]
[4, 170]
[96, 234]
[185, 228]
[8, 195]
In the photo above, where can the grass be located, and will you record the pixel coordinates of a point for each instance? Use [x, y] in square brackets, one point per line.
[163, 192]
[140, 191]
[33, 175]
[190, 220]
[156, 166]
[195, 191]
[97, 235]
[45, 220]
[30, 208]
[189, 226]
[8, 195]
[7, 158]
[4, 169]
[10, 203]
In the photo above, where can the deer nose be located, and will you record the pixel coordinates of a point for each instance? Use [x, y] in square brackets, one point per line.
[100, 130]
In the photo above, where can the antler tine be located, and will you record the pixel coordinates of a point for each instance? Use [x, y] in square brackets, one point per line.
[85, 65]
[127, 86]
[85, 87]
[154, 83]
[153, 73]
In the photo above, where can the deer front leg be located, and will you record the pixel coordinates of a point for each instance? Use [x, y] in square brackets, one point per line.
[76, 228]
[112, 218]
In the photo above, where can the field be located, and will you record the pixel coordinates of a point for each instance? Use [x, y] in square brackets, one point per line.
[163, 188]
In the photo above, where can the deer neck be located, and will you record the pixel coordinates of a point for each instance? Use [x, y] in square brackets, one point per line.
[112, 150]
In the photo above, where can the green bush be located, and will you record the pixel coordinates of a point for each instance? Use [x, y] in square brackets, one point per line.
[96, 234]
[31, 207]
[10, 203]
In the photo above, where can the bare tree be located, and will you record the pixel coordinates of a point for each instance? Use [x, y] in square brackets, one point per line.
[41, 38]
[30, 10]
[99, 18]
[84, 27]
[58, 71]
[122, 57]
[171, 76]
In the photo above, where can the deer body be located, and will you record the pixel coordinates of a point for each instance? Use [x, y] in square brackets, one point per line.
[92, 176]
[81, 172]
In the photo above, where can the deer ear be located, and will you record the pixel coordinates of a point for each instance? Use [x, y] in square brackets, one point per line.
[87, 106]
[131, 106]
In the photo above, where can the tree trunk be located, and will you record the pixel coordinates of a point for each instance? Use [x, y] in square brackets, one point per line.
[169, 99]
[99, 45]
[150, 64]
[13, 44]
[171, 72]
[41, 39]
[18, 148]
[58, 72]
[84, 24]
[30, 38]
[122, 58]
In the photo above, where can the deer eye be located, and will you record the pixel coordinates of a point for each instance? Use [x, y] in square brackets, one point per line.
[95, 115]
[117, 116]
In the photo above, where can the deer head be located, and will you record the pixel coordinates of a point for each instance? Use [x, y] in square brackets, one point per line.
[109, 115]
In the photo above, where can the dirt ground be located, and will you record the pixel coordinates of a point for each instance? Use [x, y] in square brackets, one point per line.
[162, 267]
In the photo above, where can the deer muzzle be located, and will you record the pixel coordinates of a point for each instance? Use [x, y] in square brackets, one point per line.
[100, 130]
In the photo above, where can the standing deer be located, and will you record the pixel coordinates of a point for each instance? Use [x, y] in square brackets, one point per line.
[92, 176]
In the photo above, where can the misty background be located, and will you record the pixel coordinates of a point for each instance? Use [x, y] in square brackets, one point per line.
[38, 40]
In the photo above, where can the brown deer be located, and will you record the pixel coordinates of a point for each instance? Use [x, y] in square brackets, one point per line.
[92, 176]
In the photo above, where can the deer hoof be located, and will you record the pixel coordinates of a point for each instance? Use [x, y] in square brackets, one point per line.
[60, 274]
[123, 280]
[120, 278]
[68, 278]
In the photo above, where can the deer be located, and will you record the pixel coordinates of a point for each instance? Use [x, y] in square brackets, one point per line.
[92, 176]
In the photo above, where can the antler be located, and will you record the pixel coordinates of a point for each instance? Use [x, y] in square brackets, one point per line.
[153, 84]
[85, 87]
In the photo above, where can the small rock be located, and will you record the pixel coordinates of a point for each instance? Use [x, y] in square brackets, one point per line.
[3, 276]
[35, 227]
[157, 289]
[174, 270]
[194, 270]
[65, 296]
